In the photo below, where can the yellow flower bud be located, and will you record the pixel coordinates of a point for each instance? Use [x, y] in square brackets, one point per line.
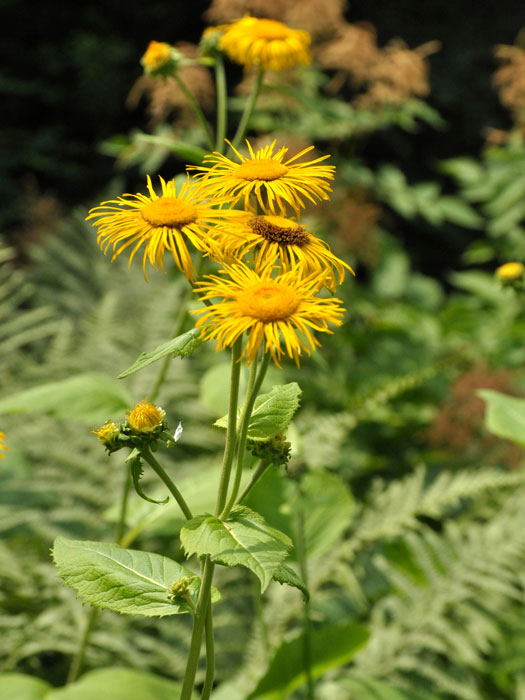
[108, 434]
[510, 272]
[3, 448]
[157, 55]
[145, 417]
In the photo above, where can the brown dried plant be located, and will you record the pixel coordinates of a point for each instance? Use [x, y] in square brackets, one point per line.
[510, 81]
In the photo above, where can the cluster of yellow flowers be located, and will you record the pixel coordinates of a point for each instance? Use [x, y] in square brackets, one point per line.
[273, 266]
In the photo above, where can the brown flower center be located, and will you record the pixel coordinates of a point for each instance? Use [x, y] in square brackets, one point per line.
[277, 229]
[260, 169]
[170, 212]
[268, 301]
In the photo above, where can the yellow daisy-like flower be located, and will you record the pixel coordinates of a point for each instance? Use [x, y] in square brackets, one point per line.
[510, 272]
[145, 417]
[157, 55]
[282, 312]
[271, 239]
[275, 182]
[3, 448]
[160, 223]
[265, 43]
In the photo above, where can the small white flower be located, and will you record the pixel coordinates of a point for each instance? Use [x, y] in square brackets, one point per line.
[178, 432]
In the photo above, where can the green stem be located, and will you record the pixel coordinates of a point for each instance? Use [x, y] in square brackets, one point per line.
[196, 108]
[159, 471]
[303, 568]
[78, 660]
[263, 466]
[231, 434]
[199, 620]
[220, 83]
[210, 655]
[251, 395]
[248, 109]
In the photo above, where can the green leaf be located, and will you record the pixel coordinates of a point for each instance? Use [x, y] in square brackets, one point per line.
[135, 464]
[285, 574]
[272, 412]
[123, 580]
[117, 684]
[18, 686]
[90, 398]
[331, 647]
[243, 539]
[505, 415]
[180, 346]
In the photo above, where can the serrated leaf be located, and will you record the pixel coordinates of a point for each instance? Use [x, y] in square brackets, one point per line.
[117, 684]
[272, 412]
[243, 539]
[123, 580]
[331, 647]
[135, 463]
[505, 415]
[285, 574]
[89, 397]
[180, 346]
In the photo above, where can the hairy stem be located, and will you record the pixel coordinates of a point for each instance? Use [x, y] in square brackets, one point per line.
[210, 655]
[307, 622]
[220, 83]
[159, 471]
[248, 109]
[199, 620]
[231, 434]
[196, 108]
[254, 386]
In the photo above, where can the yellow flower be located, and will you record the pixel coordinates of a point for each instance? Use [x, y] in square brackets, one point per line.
[271, 239]
[108, 434]
[145, 417]
[164, 223]
[3, 447]
[157, 55]
[265, 43]
[510, 272]
[274, 181]
[281, 312]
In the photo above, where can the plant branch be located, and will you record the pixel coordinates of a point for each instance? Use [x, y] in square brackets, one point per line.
[248, 109]
[222, 114]
[159, 471]
[196, 108]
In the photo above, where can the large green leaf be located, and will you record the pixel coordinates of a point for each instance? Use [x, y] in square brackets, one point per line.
[505, 415]
[180, 346]
[89, 397]
[18, 686]
[331, 646]
[123, 580]
[272, 412]
[116, 684]
[243, 539]
[285, 574]
[327, 505]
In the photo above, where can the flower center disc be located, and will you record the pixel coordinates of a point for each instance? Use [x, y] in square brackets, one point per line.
[277, 229]
[268, 301]
[260, 169]
[169, 211]
[270, 29]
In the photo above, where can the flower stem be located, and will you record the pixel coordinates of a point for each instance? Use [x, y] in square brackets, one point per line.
[248, 109]
[159, 471]
[231, 434]
[199, 620]
[78, 660]
[263, 466]
[196, 108]
[307, 622]
[210, 655]
[220, 83]
[254, 386]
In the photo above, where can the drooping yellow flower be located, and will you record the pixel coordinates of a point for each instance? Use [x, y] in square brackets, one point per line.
[265, 44]
[275, 182]
[145, 417]
[510, 272]
[157, 55]
[160, 223]
[108, 434]
[282, 312]
[3, 448]
[272, 239]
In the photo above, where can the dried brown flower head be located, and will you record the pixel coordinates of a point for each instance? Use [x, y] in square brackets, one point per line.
[352, 49]
[510, 80]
